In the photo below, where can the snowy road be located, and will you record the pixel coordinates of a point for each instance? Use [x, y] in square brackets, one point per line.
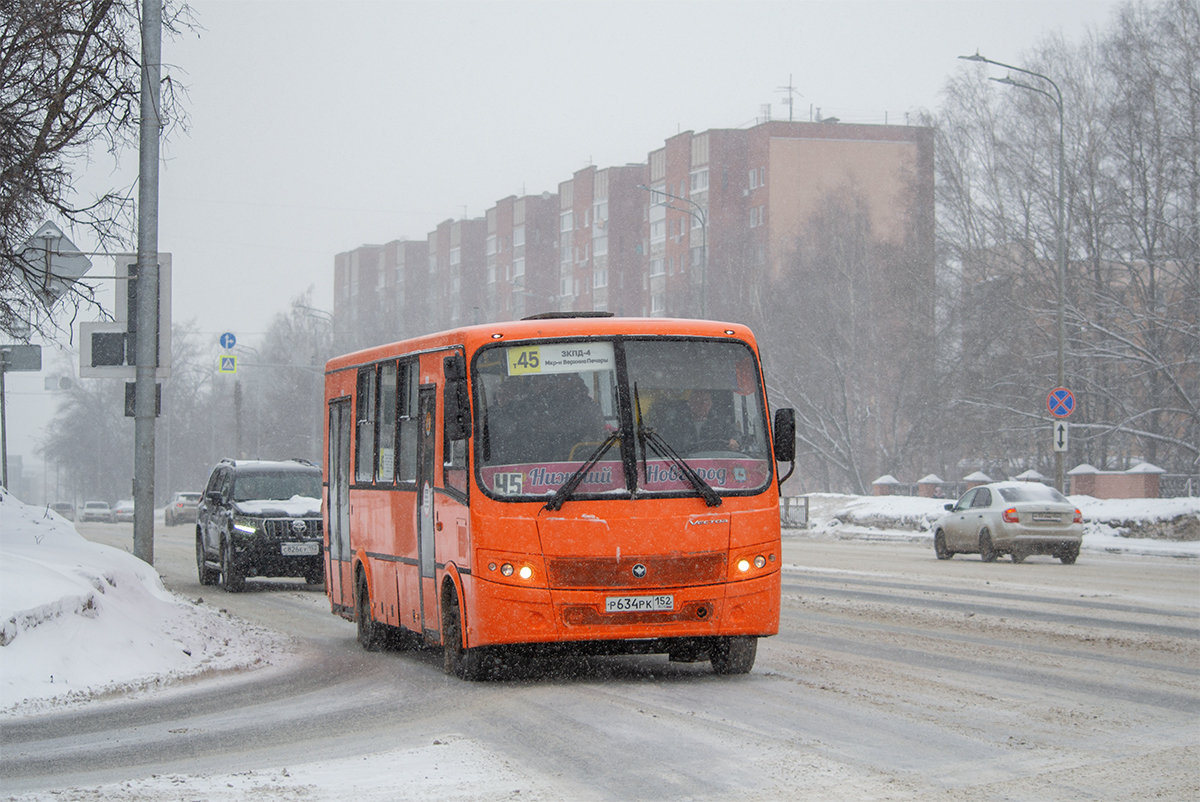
[894, 676]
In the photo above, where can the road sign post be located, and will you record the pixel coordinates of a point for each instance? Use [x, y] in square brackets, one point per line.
[13, 357]
[1061, 403]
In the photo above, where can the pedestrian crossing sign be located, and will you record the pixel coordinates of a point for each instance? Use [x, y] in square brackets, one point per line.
[228, 364]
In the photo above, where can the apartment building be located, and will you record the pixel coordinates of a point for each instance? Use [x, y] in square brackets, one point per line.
[704, 227]
[522, 257]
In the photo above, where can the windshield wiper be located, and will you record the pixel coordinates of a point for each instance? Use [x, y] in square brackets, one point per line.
[651, 438]
[568, 487]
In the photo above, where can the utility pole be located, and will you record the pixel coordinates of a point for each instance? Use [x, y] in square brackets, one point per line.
[147, 283]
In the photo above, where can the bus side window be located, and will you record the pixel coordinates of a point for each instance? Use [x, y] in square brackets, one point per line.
[386, 469]
[365, 417]
[456, 418]
[407, 415]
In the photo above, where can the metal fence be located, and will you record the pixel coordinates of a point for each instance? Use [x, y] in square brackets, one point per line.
[1178, 485]
[793, 512]
[1170, 485]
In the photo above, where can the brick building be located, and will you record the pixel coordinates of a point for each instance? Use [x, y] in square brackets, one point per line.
[702, 228]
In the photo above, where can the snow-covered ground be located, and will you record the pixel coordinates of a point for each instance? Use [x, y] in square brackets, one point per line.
[1109, 525]
[80, 620]
[83, 621]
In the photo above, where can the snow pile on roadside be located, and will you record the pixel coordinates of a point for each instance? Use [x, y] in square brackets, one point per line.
[1166, 526]
[80, 620]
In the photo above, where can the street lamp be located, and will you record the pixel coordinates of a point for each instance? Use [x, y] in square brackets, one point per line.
[699, 214]
[1060, 223]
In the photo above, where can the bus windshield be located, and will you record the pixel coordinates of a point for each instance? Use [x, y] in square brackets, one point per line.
[678, 407]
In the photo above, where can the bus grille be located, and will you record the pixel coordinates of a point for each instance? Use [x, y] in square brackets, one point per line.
[609, 572]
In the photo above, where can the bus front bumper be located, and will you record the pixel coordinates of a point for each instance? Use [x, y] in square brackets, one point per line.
[509, 614]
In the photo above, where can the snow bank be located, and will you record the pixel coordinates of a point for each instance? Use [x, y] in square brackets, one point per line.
[80, 620]
[1162, 526]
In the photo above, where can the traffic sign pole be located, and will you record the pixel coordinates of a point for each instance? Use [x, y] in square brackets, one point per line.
[147, 287]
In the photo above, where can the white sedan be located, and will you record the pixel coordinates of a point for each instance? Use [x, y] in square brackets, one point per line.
[1015, 518]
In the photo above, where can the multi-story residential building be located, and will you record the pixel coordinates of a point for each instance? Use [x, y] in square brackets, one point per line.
[358, 278]
[458, 267]
[522, 257]
[703, 228]
[405, 287]
[729, 205]
[601, 253]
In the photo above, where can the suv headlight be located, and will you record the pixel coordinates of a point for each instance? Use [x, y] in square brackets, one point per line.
[247, 527]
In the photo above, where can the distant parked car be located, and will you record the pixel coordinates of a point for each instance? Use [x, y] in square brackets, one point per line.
[124, 511]
[1015, 518]
[182, 508]
[96, 511]
[65, 509]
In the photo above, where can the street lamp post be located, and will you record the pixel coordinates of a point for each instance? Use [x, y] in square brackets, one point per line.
[1060, 223]
[699, 214]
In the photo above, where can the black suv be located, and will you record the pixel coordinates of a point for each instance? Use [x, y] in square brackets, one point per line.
[260, 518]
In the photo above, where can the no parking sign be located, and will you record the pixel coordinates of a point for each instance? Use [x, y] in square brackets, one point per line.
[1060, 402]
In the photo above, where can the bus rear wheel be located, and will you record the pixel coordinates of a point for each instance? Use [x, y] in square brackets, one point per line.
[370, 633]
[458, 660]
[734, 655]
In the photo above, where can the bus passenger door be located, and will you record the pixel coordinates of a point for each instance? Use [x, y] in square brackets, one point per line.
[337, 571]
[426, 475]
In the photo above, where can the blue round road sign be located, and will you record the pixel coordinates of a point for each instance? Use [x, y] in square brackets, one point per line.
[228, 340]
[1060, 402]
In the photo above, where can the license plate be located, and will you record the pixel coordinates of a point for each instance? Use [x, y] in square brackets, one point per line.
[632, 604]
[1046, 517]
[300, 549]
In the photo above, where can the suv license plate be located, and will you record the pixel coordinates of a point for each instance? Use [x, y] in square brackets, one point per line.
[300, 549]
[630, 604]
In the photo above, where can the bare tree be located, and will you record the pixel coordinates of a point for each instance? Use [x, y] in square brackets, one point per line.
[70, 78]
[850, 345]
[1131, 97]
[289, 382]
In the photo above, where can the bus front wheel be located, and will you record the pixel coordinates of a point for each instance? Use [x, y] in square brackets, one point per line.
[461, 661]
[734, 655]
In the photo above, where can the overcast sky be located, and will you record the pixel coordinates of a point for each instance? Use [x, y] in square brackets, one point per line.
[316, 127]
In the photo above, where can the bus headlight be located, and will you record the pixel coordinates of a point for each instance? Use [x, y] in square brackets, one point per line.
[750, 562]
[506, 569]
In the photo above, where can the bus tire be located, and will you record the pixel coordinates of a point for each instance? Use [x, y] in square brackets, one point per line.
[734, 655]
[370, 633]
[458, 660]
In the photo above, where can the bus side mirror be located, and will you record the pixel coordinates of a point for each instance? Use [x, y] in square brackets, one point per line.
[456, 399]
[785, 435]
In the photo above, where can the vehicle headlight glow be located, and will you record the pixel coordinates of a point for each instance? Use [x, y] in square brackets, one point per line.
[525, 572]
[245, 526]
[743, 564]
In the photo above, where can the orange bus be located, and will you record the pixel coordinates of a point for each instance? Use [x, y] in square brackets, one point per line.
[603, 484]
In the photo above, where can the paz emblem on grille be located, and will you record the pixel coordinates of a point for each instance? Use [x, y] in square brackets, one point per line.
[299, 527]
[639, 571]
